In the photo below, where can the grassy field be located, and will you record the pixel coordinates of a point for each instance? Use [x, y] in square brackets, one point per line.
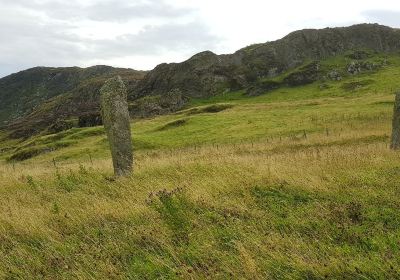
[298, 183]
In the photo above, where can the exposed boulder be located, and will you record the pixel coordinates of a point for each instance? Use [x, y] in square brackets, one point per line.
[356, 67]
[334, 75]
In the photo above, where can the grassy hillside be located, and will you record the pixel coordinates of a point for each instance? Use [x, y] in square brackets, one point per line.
[298, 183]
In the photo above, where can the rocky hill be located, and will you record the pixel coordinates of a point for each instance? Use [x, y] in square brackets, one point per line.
[53, 99]
[207, 74]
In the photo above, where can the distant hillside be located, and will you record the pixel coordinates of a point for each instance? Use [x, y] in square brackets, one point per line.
[37, 98]
[53, 98]
[207, 74]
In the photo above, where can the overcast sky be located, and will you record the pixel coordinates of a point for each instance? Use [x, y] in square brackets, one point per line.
[140, 34]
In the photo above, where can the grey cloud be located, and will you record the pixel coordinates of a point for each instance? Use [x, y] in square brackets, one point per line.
[385, 17]
[123, 10]
[31, 41]
[154, 40]
[104, 10]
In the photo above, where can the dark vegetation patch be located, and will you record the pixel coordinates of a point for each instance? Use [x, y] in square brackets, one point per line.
[359, 54]
[306, 74]
[324, 86]
[6, 149]
[90, 120]
[303, 75]
[302, 146]
[173, 124]
[261, 87]
[30, 152]
[27, 154]
[279, 198]
[357, 141]
[61, 125]
[385, 103]
[355, 85]
[173, 209]
[215, 108]
[64, 136]
[49, 143]
[314, 103]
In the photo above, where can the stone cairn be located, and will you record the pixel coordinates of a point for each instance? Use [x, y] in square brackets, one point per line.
[395, 143]
[115, 114]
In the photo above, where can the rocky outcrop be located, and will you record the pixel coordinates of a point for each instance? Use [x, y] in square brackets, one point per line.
[334, 75]
[207, 74]
[152, 105]
[59, 104]
[357, 67]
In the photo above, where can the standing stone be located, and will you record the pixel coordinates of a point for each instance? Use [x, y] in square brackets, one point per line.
[115, 114]
[395, 144]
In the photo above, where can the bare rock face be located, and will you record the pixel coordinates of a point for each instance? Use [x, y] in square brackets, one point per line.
[114, 109]
[395, 144]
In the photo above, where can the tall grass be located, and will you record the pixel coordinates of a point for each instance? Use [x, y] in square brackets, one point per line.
[298, 184]
[324, 206]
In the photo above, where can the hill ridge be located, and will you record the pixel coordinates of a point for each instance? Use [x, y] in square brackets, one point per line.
[168, 87]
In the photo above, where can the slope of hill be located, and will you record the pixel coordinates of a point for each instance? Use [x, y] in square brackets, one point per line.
[52, 99]
[34, 99]
[298, 183]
